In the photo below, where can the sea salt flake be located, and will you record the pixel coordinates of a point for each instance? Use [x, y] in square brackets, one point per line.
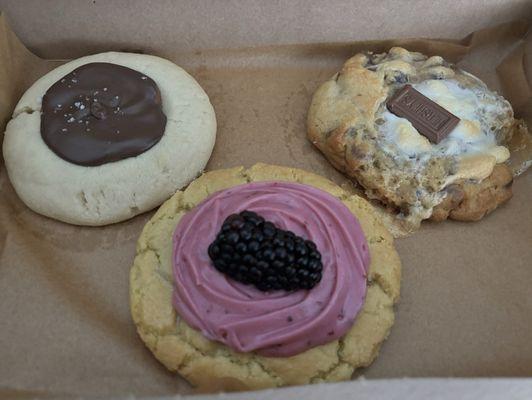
[71, 119]
[143, 77]
[105, 89]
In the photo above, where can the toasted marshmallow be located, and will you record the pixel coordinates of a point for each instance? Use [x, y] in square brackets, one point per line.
[471, 140]
[406, 137]
[475, 167]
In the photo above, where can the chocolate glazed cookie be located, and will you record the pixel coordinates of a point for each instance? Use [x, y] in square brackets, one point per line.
[103, 138]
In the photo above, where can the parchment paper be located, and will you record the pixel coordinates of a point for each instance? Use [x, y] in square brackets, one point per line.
[465, 307]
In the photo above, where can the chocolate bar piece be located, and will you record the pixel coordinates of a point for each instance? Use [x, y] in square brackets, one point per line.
[431, 120]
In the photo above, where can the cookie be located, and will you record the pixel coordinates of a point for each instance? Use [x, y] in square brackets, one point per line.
[458, 178]
[103, 138]
[162, 281]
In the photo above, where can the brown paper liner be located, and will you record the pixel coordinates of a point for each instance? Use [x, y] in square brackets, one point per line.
[465, 311]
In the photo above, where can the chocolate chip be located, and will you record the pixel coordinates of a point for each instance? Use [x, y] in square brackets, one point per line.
[400, 77]
[369, 59]
[396, 77]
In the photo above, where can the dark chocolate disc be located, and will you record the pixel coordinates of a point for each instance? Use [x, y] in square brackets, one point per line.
[100, 113]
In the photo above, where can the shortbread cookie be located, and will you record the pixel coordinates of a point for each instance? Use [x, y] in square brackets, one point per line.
[463, 177]
[230, 334]
[105, 137]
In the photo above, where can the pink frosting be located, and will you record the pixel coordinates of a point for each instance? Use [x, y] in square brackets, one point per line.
[275, 323]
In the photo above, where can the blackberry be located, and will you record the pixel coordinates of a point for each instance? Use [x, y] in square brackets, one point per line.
[255, 252]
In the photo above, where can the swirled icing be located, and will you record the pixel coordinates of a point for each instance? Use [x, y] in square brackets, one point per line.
[277, 323]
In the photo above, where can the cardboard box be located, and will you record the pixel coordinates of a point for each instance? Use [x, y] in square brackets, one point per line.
[465, 307]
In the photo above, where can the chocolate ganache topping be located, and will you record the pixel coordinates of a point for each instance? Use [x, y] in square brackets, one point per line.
[100, 113]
